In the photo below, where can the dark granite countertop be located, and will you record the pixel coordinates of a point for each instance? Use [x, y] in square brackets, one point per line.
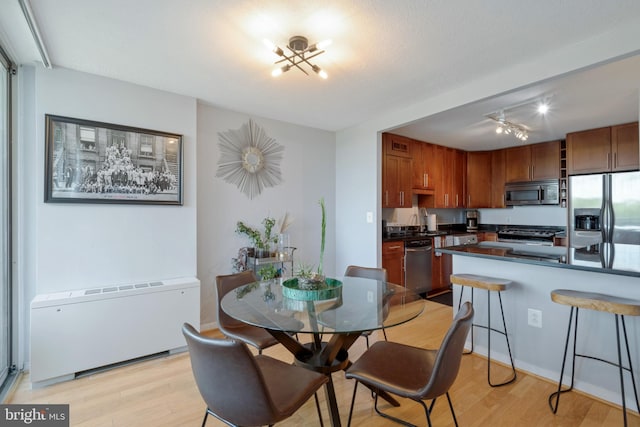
[616, 258]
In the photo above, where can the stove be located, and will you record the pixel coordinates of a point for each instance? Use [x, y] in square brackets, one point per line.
[530, 236]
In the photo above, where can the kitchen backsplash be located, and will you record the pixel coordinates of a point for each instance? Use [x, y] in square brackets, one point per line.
[521, 215]
[412, 216]
[525, 215]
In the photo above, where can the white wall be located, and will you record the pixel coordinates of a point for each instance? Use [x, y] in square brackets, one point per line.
[308, 172]
[76, 246]
[86, 245]
[359, 189]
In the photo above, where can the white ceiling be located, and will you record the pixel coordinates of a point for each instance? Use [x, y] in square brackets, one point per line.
[385, 55]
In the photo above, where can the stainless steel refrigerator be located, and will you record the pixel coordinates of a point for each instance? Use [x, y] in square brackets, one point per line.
[604, 211]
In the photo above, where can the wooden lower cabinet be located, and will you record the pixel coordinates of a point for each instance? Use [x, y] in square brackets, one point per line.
[487, 236]
[393, 261]
[442, 266]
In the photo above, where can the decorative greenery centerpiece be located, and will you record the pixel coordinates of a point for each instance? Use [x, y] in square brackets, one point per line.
[305, 274]
[261, 241]
[310, 285]
[268, 272]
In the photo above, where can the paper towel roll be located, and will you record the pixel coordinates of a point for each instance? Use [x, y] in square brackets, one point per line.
[431, 222]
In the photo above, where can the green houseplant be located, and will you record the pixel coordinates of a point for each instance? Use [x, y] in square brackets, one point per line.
[261, 240]
[306, 276]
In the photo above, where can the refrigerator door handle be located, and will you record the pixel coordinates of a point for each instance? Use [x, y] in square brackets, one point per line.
[604, 210]
[612, 213]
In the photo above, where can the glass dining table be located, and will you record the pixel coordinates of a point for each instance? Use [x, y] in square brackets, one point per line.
[333, 324]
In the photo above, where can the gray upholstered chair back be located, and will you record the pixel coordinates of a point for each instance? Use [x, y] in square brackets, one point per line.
[224, 285]
[448, 358]
[229, 379]
[366, 272]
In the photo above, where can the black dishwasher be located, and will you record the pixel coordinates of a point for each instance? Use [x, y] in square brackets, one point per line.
[417, 264]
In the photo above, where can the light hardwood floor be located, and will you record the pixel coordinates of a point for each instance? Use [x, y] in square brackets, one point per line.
[162, 392]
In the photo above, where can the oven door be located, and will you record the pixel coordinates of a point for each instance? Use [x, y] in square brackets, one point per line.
[526, 242]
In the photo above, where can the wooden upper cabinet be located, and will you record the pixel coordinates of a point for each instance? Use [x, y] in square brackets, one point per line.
[498, 178]
[609, 149]
[625, 147]
[479, 176]
[589, 151]
[518, 164]
[397, 171]
[458, 181]
[448, 172]
[441, 171]
[545, 160]
[396, 145]
[533, 162]
[423, 159]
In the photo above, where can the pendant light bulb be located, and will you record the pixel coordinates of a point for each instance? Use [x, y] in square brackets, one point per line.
[320, 72]
[323, 44]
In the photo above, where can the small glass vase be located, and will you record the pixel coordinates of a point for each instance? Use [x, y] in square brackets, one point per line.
[262, 252]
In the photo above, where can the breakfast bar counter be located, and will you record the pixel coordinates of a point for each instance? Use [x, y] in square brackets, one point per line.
[537, 326]
[618, 259]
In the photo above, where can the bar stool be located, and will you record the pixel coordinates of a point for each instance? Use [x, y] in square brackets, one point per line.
[620, 307]
[489, 284]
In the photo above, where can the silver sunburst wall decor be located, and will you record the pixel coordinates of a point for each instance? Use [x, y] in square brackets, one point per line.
[249, 159]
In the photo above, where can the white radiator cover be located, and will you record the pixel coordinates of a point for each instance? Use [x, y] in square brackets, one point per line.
[84, 329]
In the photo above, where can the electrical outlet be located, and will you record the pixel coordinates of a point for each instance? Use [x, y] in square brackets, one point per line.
[535, 318]
[369, 296]
[370, 217]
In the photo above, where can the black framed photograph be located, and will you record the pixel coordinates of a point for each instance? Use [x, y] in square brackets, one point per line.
[94, 162]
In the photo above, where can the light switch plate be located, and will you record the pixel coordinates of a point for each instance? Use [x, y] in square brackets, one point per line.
[370, 217]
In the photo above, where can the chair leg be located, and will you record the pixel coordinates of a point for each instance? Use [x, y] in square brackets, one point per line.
[353, 399]
[556, 394]
[366, 337]
[633, 381]
[206, 415]
[453, 413]
[315, 396]
[385, 334]
[398, 420]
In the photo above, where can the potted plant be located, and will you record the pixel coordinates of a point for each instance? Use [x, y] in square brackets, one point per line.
[268, 272]
[261, 241]
[306, 276]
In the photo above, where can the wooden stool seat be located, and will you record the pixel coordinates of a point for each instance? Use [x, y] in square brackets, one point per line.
[489, 284]
[598, 302]
[480, 282]
[617, 306]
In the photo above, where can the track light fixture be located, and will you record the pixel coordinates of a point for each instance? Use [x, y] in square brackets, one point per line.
[301, 53]
[506, 127]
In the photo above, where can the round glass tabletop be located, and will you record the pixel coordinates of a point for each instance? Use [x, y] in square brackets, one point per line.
[364, 304]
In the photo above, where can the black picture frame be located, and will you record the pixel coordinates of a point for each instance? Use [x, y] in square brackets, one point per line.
[94, 162]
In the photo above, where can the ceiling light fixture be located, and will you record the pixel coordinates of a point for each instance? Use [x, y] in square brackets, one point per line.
[543, 108]
[301, 53]
[507, 127]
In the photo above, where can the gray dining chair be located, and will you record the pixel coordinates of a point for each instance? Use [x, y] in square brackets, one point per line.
[368, 273]
[423, 374]
[245, 390]
[235, 329]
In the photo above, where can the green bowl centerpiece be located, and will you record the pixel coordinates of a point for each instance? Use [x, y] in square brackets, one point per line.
[304, 290]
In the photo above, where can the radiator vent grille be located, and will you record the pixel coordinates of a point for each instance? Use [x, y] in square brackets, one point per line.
[121, 288]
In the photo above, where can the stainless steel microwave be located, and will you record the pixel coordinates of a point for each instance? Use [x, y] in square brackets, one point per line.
[532, 193]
